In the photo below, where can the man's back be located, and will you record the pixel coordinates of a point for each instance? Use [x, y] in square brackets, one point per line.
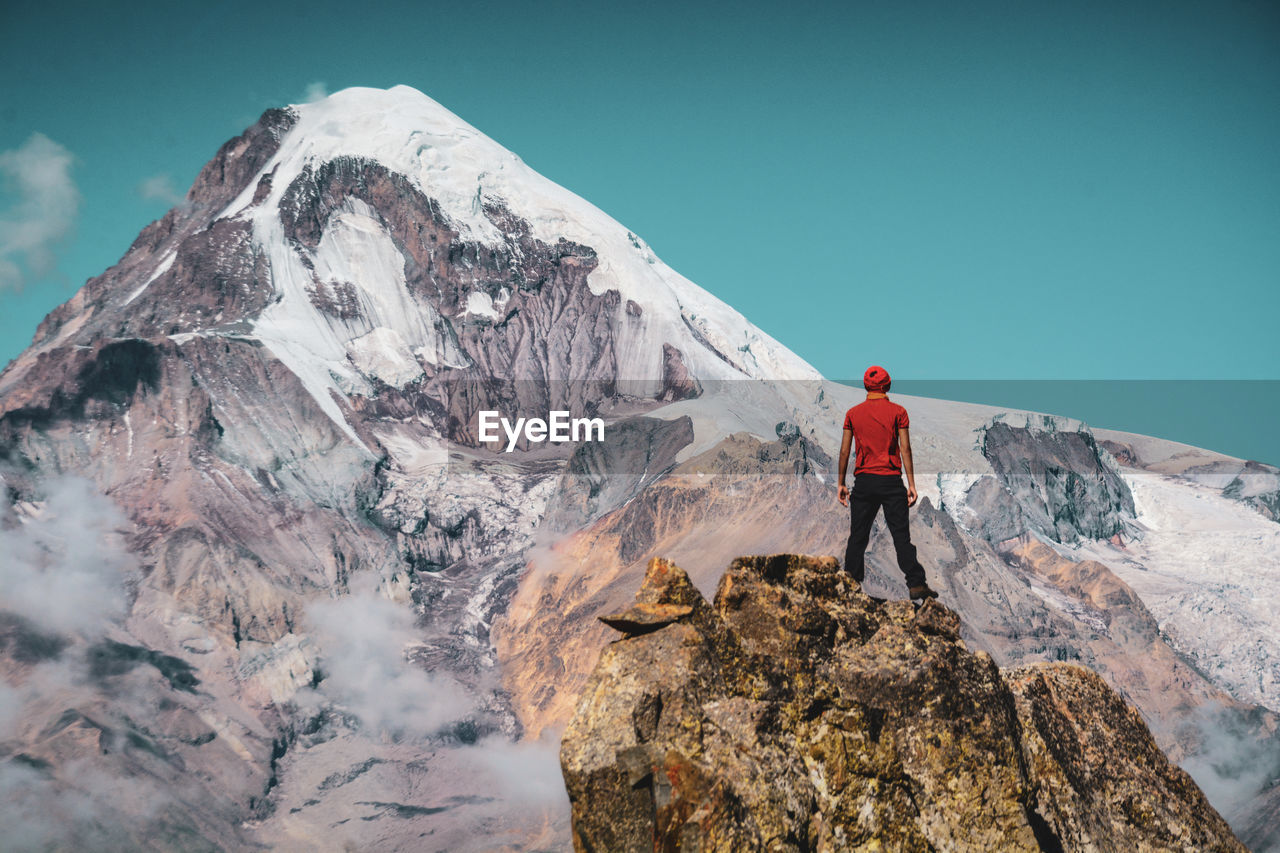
[875, 424]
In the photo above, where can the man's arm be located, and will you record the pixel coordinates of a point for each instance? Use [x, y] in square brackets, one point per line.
[904, 447]
[842, 494]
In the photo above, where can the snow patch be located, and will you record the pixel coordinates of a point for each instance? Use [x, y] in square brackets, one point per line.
[333, 355]
[480, 304]
[383, 354]
[1208, 569]
[165, 263]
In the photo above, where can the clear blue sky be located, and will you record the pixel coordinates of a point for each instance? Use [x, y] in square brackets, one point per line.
[981, 190]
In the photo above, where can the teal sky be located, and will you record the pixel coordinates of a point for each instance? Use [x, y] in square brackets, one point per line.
[959, 191]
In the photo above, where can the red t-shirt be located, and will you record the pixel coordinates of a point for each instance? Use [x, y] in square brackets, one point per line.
[875, 424]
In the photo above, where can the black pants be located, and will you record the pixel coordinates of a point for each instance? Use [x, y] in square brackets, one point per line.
[870, 492]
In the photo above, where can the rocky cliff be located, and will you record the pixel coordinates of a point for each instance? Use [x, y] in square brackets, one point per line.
[797, 713]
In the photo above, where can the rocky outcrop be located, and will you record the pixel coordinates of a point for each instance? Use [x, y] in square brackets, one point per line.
[1096, 772]
[1058, 483]
[797, 713]
[1258, 485]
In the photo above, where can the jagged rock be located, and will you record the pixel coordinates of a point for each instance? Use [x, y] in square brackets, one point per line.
[1100, 778]
[796, 713]
[933, 618]
[602, 476]
[1258, 485]
[1056, 482]
[643, 618]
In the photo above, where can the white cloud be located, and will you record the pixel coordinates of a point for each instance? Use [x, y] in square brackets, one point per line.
[1233, 764]
[78, 806]
[527, 773]
[362, 640]
[160, 188]
[38, 208]
[316, 91]
[65, 567]
[10, 709]
[61, 680]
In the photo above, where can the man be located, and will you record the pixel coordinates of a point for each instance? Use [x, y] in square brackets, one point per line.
[883, 452]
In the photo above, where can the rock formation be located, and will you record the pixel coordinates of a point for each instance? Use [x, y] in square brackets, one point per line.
[1258, 485]
[1054, 482]
[798, 713]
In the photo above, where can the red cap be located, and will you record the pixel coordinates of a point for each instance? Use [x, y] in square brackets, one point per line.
[876, 379]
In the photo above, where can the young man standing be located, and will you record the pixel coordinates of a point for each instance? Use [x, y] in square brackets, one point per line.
[883, 451]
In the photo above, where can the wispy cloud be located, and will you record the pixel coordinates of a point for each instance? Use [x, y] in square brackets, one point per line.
[64, 566]
[80, 807]
[526, 773]
[160, 188]
[316, 91]
[11, 700]
[39, 204]
[1234, 762]
[363, 639]
[64, 570]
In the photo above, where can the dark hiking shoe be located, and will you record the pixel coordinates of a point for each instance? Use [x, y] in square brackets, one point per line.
[922, 592]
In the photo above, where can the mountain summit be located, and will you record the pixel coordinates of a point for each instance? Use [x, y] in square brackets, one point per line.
[374, 238]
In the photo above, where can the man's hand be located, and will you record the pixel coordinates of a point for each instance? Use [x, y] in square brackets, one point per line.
[842, 495]
[911, 496]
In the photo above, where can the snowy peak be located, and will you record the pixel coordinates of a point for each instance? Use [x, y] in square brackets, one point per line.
[374, 243]
[488, 197]
[374, 240]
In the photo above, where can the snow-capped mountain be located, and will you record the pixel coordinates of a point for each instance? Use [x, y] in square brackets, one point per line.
[323, 612]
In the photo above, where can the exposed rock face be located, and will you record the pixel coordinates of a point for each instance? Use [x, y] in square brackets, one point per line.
[1257, 484]
[1095, 769]
[1053, 482]
[196, 259]
[706, 511]
[602, 476]
[796, 713]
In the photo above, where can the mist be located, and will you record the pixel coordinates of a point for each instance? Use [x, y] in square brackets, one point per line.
[362, 639]
[1234, 763]
[65, 568]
